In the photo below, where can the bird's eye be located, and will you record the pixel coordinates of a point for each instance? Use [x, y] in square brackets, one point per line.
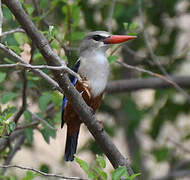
[97, 37]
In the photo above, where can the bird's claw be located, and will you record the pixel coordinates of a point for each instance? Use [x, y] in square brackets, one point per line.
[86, 86]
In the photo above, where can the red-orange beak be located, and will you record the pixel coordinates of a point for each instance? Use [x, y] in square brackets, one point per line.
[116, 39]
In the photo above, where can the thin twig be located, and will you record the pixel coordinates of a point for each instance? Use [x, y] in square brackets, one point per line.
[57, 68]
[31, 125]
[12, 31]
[37, 71]
[147, 71]
[154, 57]
[34, 116]
[40, 172]
[16, 147]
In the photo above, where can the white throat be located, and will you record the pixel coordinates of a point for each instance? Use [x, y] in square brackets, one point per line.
[94, 67]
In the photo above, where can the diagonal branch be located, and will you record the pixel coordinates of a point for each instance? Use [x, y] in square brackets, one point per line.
[85, 112]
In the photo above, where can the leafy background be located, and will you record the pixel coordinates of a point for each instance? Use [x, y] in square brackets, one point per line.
[150, 127]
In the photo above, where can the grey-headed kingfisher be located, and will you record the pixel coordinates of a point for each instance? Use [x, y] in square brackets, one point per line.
[93, 67]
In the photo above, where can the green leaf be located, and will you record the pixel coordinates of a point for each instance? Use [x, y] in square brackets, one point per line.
[8, 112]
[20, 38]
[161, 154]
[126, 26]
[44, 101]
[92, 175]
[37, 56]
[45, 168]
[2, 76]
[75, 14]
[16, 49]
[83, 164]
[55, 97]
[29, 175]
[101, 173]
[33, 78]
[7, 60]
[11, 127]
[120, 172]
[43, 4]
[6, 12]
[3, 177]
[29, 8]
[29, 135]
[11, 178]
[52, 31]
[77, 35]
[8, 97]
[133, 27]
[112, 59]
[134, 176]
[45, 135]
[28, 116]
[101, 161]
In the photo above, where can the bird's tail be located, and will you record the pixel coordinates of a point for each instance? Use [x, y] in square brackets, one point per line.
[71, 146]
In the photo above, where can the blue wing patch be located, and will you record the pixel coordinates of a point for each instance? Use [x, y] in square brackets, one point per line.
[73, 79]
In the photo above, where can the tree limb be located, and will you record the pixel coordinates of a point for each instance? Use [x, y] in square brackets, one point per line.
[129, 85]
[85, 112]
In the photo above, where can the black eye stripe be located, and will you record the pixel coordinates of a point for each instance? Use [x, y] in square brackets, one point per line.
[98, 37]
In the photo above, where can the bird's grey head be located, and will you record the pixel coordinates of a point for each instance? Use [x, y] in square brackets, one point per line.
[94, 41]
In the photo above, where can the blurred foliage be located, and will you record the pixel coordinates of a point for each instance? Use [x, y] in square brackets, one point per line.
[97, 171]
[66, 22]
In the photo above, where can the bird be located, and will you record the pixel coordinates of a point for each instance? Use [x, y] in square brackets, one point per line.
[93, 67]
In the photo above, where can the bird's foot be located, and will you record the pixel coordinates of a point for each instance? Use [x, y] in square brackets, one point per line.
[86, 87]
